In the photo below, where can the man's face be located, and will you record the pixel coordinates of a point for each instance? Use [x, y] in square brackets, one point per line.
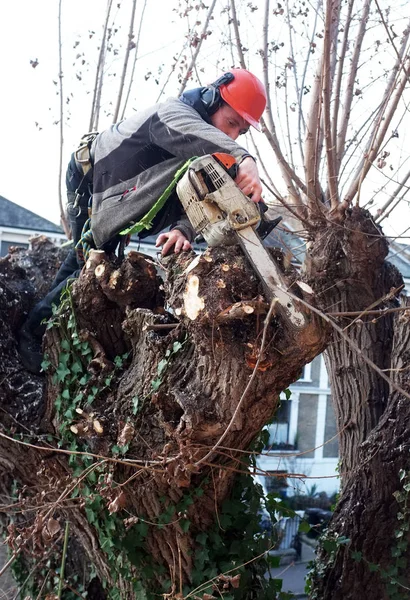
[227, 120]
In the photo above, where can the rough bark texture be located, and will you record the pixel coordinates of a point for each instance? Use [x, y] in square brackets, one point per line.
[369, 511]
[185, 366]
[349, 273]
[347, 269]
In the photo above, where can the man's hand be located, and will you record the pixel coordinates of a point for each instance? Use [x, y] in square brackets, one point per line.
[172, 238]
[248, 179]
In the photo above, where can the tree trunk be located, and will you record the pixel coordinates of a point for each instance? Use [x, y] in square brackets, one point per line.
[373, 511]
[143, 380]
[346, 267]
[364, 551]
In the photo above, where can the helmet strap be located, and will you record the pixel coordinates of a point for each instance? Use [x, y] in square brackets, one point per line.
[211, 95]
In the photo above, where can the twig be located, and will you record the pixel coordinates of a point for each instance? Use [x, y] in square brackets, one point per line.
[95, 106]
[197, 49]
[63, 217]
[135, 60]
[126, 59]
[351, 343]
[63, 559]
[380, 313]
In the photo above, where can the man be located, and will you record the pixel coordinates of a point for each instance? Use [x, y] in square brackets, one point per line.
[135, 160]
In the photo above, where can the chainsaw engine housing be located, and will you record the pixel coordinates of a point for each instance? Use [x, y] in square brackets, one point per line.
[214, 204]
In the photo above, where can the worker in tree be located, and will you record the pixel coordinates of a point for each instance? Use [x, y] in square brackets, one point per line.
[126, 168]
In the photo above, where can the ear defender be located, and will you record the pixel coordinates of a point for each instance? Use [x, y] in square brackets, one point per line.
[211, 96]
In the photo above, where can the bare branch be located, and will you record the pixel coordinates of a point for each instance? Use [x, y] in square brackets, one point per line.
[237, 36]
[126, 59]
[312, 143]
[331, 27]
[380, 213]
[336, 97]
[95, 106]
[197, 49]
[301, 118]
[348, 97]
[63, 218]
[137, 43]
[381, 126]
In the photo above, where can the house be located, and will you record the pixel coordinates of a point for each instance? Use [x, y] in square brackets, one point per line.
[18, 225]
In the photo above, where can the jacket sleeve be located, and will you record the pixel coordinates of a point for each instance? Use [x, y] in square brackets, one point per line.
[180, 130]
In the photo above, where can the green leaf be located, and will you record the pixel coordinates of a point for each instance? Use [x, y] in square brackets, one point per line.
[402, 474]
[135, 403]
[65, 345]
[342, 540]
[162, 365]
[304, 527]
[288, 393]
[76, 367]
[176, 347]
[185, 523]
[156, 384]
[201, 538]
[357, 556]
[62, 373]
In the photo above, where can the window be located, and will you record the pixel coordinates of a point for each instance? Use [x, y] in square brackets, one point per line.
[279, 428]
[276, 482]
[5, 247]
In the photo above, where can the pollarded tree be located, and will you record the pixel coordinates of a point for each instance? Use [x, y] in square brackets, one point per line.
[149, 411]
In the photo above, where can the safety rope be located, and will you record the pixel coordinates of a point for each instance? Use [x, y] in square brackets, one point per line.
[146, 221]
[86, 242]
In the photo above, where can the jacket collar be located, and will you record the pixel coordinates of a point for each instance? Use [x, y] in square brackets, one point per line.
[194, 98]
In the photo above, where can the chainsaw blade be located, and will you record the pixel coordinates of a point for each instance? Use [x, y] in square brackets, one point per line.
[270, 275]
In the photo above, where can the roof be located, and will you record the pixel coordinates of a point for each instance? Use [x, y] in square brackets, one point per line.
[16, 217]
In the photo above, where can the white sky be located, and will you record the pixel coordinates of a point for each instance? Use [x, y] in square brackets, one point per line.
[29, 153]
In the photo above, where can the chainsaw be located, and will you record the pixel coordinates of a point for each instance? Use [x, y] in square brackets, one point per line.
[220, 212]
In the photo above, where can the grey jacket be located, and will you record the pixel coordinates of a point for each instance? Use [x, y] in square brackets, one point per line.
[136, 159]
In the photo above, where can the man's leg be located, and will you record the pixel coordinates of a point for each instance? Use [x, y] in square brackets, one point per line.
[30, 335]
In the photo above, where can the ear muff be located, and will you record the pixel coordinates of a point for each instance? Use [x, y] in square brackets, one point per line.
[211, 96]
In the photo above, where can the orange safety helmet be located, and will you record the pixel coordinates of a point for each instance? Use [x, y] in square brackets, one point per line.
[246, 94]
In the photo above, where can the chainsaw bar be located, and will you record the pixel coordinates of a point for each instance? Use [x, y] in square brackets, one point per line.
[270, 276]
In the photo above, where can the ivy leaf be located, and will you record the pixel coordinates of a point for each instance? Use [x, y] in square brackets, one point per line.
[76, 367]
[162, 366]
[135, 403]
[62, 373]
[176, 347]
[357, 556]
[155, 384]
[185, 525]
[304, 527]
[65, 345]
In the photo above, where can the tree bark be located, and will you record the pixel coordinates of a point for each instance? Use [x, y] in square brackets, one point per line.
[347, 269]
[144, 377]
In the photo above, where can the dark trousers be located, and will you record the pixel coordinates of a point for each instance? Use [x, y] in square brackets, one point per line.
[71, 267]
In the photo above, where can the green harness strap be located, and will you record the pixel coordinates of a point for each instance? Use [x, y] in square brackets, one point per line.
[146, 221]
